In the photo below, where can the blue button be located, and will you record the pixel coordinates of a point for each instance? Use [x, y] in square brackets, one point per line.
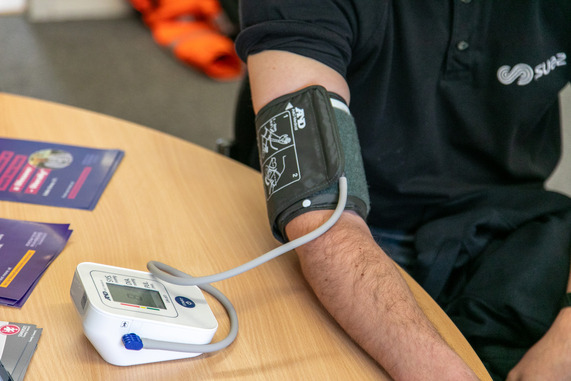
[185, 302]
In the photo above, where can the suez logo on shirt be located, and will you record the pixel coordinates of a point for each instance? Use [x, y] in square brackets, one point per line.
[524, 73]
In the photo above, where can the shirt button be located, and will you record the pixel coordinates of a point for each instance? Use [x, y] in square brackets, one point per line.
[462, 45]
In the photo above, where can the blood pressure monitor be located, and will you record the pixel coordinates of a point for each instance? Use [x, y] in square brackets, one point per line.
[113, 302]
[133, 317]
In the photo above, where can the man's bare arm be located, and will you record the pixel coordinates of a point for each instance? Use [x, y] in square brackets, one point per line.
[275, 73]
[353, 278]
[550, 357]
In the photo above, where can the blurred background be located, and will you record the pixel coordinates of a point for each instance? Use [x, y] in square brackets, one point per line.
[100, 55]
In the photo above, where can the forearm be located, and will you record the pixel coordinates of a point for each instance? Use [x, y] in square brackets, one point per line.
[362, 289]
[550, 357]
[353, 278]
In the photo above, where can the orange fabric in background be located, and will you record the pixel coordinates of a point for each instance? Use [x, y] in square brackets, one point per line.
[189, 28]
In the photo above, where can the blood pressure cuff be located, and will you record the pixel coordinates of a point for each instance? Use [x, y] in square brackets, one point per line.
[306, 141]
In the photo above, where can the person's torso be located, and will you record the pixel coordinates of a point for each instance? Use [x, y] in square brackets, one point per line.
[452, 97]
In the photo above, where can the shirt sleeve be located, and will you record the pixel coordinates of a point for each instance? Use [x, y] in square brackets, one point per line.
[323, 30]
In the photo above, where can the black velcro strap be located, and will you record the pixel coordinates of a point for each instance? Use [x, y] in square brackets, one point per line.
[300, 150]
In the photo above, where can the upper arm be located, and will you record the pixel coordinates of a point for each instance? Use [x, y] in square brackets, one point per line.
[274, 73]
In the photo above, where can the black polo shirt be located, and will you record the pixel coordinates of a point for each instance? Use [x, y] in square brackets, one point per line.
[449, 97]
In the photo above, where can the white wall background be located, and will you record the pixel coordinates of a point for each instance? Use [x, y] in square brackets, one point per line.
[561, 178]
[61, 10]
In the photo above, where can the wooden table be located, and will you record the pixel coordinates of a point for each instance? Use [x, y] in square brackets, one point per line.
[178, 203]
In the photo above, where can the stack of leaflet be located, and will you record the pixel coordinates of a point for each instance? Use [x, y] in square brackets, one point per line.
[18, 343]
[55, 174]
[46, 174]
[26, 251]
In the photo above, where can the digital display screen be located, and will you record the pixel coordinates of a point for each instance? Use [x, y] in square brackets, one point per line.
[135, 295]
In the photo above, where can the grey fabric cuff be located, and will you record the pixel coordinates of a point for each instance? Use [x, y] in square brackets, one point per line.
[302, 138]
